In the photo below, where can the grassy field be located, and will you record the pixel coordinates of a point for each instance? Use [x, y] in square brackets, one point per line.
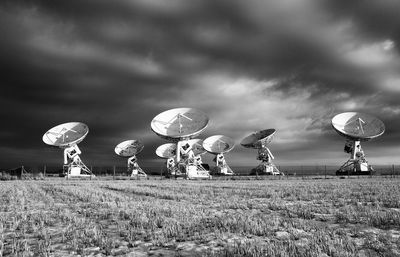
[56, 217]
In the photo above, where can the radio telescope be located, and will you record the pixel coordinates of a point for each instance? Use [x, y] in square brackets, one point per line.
[191, 151]
[168, 151]
[67, 136]
[218, 145]
[130, 148]
[356, 127]
[181, 125]
[259, 140]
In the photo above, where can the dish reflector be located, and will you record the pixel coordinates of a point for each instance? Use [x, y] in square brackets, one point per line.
[166, 150]
[179, 123]
[197, 146]
[358, 126]
[258, 139]
[66, 134]
[129, 148]
[218, 144]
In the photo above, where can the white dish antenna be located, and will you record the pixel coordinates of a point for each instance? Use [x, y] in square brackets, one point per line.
[166, 150]
[179, 123]
[197, 146]
[129, 148]
[358, 126]
[258, 139]
[218, 144]
[66, 134]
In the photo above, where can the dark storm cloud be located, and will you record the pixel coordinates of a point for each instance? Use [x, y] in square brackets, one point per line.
[375, 19]
[116, 64]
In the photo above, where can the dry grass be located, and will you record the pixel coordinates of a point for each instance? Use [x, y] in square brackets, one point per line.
[355, 217]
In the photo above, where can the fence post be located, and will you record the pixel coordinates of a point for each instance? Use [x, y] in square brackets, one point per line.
[280, 175]
[114, 172]
[325, 171]
[301, 169]
[44, 171]
[393, 171]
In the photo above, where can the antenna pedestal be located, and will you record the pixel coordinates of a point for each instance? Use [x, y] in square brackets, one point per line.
[73, 164]
[189, 165]
[170, 168]
[221, 167]
[134, 168]
[190, 171]
[357, 164]
[78, 170]
[197, 172]
[266, 167]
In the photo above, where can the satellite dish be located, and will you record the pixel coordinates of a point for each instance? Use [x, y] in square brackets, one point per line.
[166, 150]
[218, 144]
[197, 146]
[258, 139]
[129, 148]
[66, 134]
[179, 123]
[358, 126]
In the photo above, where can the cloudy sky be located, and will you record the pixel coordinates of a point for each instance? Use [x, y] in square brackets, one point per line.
[249, 65]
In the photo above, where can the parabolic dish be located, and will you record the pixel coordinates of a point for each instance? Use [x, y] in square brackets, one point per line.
[129, 148]
[179, 123]
[258, 139]
[197, 146]
[218, 144]
[166, 150]
[358, 126]
[66, 134]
